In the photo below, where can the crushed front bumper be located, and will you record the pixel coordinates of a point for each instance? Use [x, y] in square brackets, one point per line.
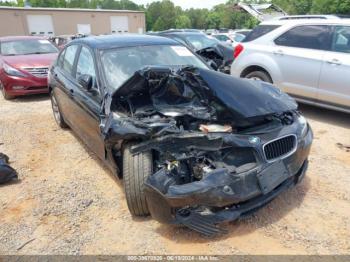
[222, 196]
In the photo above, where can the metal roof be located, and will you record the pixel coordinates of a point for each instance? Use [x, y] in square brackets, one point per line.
[66, 9]
[124, 40]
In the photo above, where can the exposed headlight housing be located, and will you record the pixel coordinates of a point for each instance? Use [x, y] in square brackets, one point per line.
[12, 71]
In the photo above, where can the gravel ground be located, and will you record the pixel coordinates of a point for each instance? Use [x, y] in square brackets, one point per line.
[66, 202]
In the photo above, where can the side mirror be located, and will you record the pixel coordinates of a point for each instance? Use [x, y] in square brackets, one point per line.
[85, 81]
[213, 65]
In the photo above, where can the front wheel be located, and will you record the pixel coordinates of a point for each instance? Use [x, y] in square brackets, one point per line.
[136, 169]
[259, 75]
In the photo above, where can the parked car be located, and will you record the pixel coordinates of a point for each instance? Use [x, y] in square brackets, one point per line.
[209, 48]
[223, 37]
[24, 64]
[233, 39]
[307, 58]
[185, 139]
[211, 31]
[237, 38]
[61, 40]
[244, 32]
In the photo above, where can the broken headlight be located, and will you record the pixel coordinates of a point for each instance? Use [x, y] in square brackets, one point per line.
[303, 126]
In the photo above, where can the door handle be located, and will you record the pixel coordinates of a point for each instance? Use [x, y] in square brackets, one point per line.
[334, 62]
[278, 52]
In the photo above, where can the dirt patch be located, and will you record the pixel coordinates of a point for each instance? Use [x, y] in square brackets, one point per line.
[68, 203]
[344, 147]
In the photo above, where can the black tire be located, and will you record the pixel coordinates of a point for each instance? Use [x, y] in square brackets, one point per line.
[136, 169]
[57, 112]
[259, 75]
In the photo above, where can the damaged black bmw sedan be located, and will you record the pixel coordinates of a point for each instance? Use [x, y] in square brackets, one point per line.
[194, 147]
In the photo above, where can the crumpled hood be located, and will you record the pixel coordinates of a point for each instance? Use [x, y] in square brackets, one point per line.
[248, 98]
[244, 99]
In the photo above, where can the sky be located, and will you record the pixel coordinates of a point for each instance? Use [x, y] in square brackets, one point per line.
[185, 4]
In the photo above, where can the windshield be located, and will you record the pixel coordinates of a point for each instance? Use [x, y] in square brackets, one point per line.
[27, 47]
[120, 64]
[201, 41]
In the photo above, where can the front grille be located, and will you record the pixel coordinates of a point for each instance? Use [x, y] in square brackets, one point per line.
[280, 147]
[37, 71]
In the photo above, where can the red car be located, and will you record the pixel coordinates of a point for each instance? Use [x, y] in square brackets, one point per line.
[24, 65]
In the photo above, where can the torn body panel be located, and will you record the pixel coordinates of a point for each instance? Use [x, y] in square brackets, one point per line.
[219, 55]
[216, 141]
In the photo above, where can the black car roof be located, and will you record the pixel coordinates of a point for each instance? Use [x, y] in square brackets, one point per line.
[115, 41]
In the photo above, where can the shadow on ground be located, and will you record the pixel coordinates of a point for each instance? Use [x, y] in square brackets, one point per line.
[325, 115]
[30, 98]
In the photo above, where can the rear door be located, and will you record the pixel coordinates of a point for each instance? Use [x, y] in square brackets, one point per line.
[87, 103]
[64, 81]
[334, 86]
[299, 55]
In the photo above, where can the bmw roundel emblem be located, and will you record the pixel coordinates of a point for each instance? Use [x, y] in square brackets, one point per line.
[254, 140]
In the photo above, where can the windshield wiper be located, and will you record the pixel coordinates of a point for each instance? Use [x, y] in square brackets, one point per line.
[37, 53]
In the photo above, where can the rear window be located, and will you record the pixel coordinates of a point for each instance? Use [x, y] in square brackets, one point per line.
[307, 36]
[259, 31]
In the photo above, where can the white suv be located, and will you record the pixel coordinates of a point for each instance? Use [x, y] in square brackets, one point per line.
[307, 58]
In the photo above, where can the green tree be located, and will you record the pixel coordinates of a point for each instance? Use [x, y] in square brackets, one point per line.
[20, 3]
[121, 5]
[213, 20]
[161, 15]
[7, 3]
[198, 17]
[159, 25]
[331, 7]
[183, 21]
[295, 7]
[46, 3]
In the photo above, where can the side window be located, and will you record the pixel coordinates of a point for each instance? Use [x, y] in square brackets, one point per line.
[85, 65]
[308, 36]
[341, 39]
[69, 57]
[260, 31]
